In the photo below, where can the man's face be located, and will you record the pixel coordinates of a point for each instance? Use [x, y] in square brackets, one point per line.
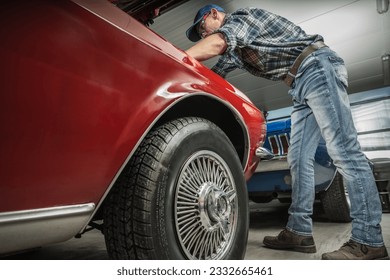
[209, 23]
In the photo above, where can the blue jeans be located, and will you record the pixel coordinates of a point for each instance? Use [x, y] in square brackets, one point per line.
[321, 108]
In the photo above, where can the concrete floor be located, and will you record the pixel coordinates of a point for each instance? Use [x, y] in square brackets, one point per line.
[265, 219]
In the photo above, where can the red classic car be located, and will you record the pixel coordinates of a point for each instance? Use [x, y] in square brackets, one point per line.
[104, 124]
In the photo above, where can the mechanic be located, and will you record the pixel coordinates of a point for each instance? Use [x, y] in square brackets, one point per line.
[270, 46]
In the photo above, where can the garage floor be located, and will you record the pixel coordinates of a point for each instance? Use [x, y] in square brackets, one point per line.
[265, 219]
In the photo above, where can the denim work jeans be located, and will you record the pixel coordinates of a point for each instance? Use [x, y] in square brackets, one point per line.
[321, 108]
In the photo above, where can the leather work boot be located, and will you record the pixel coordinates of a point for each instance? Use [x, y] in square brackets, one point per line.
[357, 251]
[287, 240]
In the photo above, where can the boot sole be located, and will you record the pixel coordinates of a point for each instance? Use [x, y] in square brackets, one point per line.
[302, 249]
[384, 258]
[327, 257]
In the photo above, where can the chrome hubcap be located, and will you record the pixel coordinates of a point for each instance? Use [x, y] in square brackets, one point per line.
[214, 207]
[206, 207]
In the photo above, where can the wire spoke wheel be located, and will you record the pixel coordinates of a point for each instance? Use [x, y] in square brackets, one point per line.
[206, 206]
[181, 196]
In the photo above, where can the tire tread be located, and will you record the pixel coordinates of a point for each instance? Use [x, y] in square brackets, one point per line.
[127, 213]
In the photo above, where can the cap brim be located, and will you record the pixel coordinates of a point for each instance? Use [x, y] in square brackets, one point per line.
[192, 32]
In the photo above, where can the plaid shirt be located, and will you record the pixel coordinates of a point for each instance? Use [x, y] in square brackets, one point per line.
[262, 43]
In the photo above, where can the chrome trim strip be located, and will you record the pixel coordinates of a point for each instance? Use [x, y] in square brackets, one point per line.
[27, 229]
[274, 144]
[275, 164]
[284, 143]
[45, 213]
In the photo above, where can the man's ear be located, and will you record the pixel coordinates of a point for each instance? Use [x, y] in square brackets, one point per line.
[214, 13]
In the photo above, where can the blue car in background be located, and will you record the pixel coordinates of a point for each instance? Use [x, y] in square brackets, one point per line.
[272, 179]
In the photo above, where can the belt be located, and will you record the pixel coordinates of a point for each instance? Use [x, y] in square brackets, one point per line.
[305, 53]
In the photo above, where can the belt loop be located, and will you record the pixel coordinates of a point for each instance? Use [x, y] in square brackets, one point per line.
[289, 79]
[291, 74]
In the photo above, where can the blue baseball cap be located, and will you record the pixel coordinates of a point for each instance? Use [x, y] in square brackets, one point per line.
[192, 32]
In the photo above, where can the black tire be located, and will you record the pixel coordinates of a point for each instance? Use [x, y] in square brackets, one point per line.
[285, 200]
[335, 201]
[182, 196]
[261, 199]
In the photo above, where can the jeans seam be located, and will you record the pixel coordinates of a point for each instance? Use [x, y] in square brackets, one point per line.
[353, 164]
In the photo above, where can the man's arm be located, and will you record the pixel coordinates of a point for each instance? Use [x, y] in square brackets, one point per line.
[209, 47]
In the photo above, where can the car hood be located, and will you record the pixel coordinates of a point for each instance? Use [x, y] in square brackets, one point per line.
[146, 10]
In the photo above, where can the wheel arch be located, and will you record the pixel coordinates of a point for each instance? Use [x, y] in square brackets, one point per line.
[216, 111]
[200, 105]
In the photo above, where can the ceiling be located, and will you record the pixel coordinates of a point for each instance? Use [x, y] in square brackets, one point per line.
[353, 28]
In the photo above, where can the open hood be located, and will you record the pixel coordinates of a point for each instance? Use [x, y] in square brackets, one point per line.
[146, 10]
